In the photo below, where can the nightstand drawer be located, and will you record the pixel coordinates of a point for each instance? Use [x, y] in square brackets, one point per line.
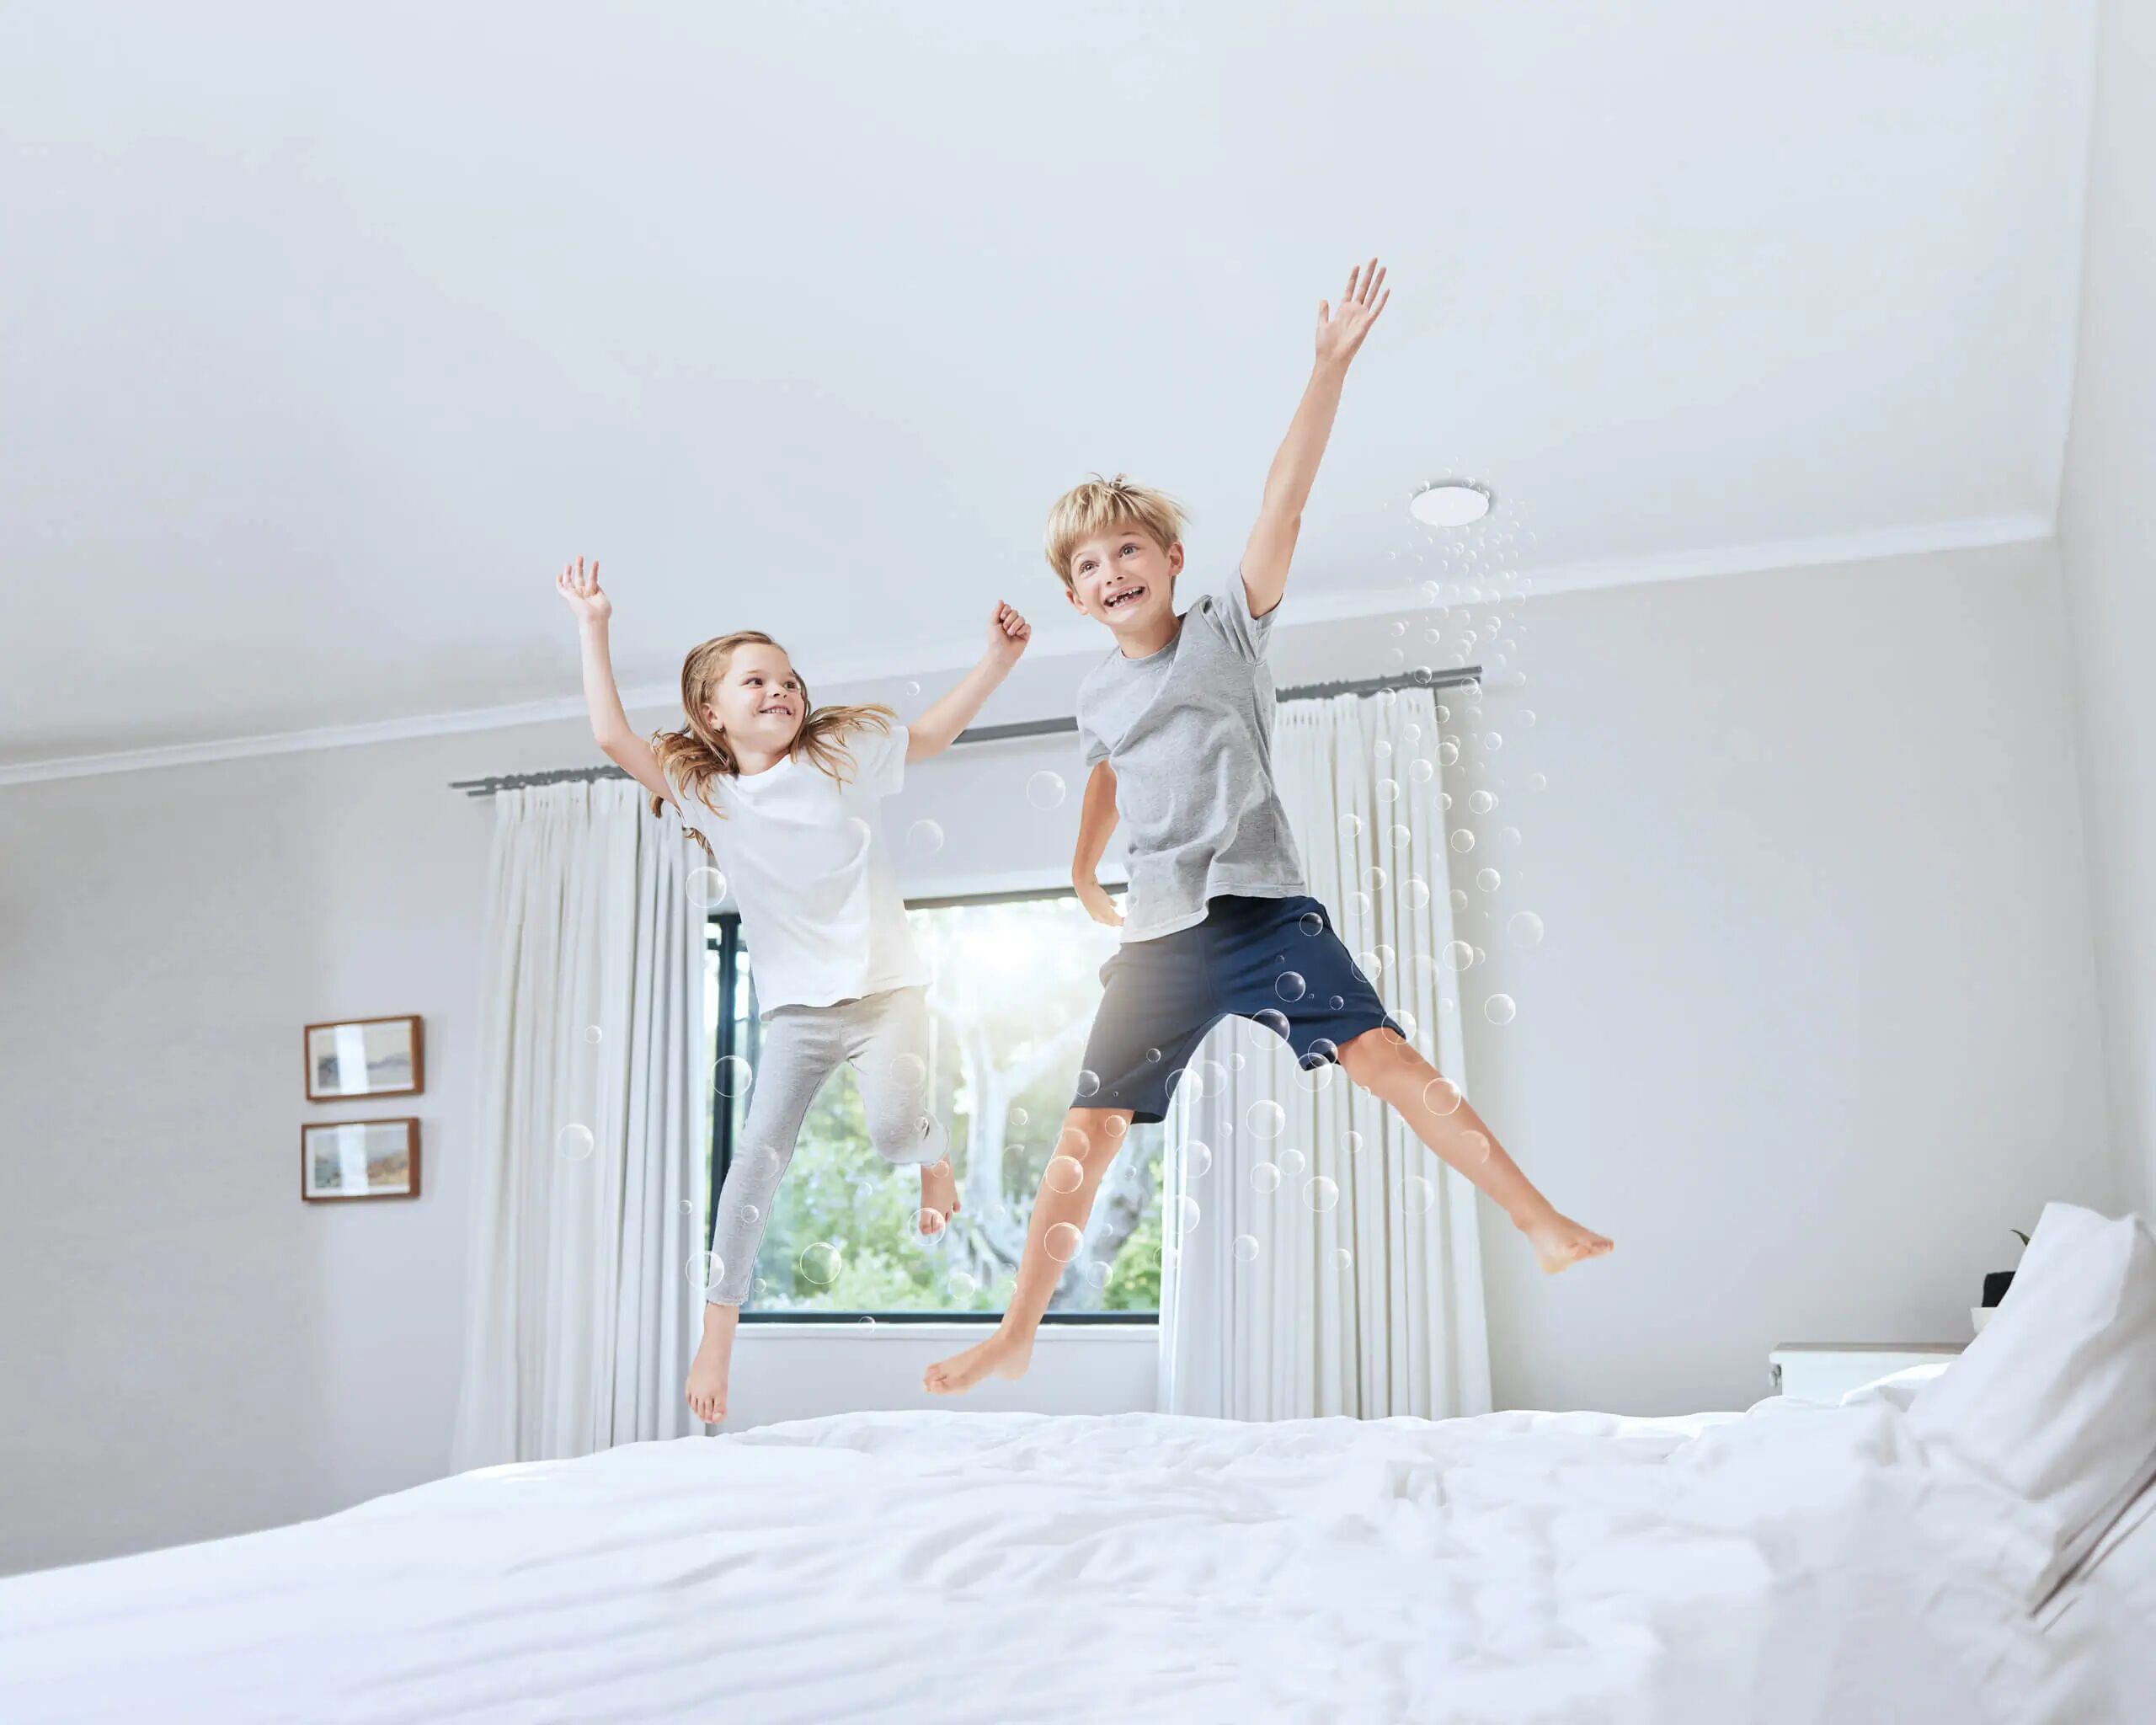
[1826, 1371]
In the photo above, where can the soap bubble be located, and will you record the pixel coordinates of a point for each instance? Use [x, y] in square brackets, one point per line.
[1019, 1116]
[1359, 907]
[1270, 1021]
[593, 1035]
[1097, 1273]
[820, 1264]
[1388, 790]
[1417, 891]
[751, 1214]
[1246, 1248]
[1196, 1159]
[1045, 790]
[1072, 1142]
[1116, 1126]
[1351, 825]
[706, 888]
[963, 1284]
[1421, 770]
[1369, 965]
[1266, 1119]
[1321, 1193]
[1310, 923]
[1441, 1096]
[1182, 1216]
[731, 1074]
[574, 1143]
[1065, 1242]
[1089, 1082]
[1500, 1009]
[1488, 880]
[924, 838]
[1291, 1162]
[1289, 985]
[704, 1271]
[1474, 1146]
[1463, 840]
[1374, 879]
[1063, 1174]
[1481, 802]
[1538, 780]
[1352, 1142]
[913, 688]
[1337, 1001]
[1493, 741]
[1525, 929]
[1416, 1195]
[1343, 1258]
[1265, 1177]
[1206, 1077]
[1510, 835]
[1448, 752]
[1153, 1057]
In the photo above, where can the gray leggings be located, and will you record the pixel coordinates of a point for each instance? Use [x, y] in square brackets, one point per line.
[885, 1036]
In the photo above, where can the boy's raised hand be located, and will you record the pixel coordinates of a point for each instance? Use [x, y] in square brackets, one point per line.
[1008, 634]
[581, 593]
[1341, 329]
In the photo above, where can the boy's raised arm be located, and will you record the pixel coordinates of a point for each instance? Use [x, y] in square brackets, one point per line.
[1340, 332]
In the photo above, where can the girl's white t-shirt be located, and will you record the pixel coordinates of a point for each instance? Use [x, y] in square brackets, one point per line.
[803, 853]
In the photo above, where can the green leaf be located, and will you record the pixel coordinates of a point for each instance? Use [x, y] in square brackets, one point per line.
[2024, 1238]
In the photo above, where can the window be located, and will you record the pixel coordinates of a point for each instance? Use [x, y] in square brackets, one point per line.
[1017, 977]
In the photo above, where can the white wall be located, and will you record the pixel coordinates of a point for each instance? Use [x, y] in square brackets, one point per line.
[2107, 531]
[1815, 1023]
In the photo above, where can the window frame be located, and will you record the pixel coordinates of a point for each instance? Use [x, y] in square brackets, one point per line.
[725, 926]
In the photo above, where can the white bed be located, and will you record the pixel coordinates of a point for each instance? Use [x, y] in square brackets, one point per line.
[1794, 1562]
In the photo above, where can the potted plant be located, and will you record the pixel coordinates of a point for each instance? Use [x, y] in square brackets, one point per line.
[1995, 1286]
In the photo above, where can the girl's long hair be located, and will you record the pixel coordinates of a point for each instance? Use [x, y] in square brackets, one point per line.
[693, 757]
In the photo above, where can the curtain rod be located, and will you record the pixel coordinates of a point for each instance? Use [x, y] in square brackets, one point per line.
[996, 732]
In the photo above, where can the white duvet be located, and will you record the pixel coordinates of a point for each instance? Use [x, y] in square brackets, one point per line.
[1795, 1563]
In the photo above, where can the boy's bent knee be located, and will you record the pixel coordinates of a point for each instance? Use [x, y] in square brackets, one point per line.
[1379, 1056]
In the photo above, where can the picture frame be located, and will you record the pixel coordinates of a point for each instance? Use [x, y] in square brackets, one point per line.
[355, 1057]
[344, 1161]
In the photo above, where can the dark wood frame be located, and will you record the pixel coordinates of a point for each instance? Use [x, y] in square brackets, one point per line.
[411, 1125]
[418, 1083]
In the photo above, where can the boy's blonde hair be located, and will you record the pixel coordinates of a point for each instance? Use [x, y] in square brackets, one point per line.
[693, 757]
[1100, 506]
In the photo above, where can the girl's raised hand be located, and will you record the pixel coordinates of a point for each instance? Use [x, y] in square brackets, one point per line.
[580, 592]
[1008, 634]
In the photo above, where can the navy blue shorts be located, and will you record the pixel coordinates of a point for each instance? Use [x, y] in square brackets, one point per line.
[1274, 960]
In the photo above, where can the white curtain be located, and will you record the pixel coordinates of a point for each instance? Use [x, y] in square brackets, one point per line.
[1353, 1286]
[580, 1314]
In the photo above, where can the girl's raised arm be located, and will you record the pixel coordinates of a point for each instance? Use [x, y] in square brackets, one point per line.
[602, 700]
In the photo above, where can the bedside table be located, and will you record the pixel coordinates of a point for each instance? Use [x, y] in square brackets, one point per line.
[1826, 1371]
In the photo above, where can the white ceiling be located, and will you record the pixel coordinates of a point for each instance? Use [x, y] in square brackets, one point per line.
[328, 333]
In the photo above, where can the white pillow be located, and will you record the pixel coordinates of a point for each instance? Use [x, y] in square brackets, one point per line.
[2056, 1399]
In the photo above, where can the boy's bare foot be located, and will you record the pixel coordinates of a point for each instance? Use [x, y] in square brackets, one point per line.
[706, 1390]
[939, 1196]
[1002, 1355]
[1560, 1242]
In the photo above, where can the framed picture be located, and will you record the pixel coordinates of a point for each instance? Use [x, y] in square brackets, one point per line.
[341, 1159]
[364, 1057]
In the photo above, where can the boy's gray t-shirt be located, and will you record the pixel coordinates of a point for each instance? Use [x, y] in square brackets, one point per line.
[1188, 732]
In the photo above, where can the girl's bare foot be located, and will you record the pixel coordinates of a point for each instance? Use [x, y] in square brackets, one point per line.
[1560, 1242]
[706, 1390]
[1002, 1355]
[939, 1196]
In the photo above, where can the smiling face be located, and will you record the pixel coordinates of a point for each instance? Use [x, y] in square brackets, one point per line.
[757, 701]
[1125, 577]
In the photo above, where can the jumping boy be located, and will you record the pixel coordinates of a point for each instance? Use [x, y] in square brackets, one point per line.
[1177, 723]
